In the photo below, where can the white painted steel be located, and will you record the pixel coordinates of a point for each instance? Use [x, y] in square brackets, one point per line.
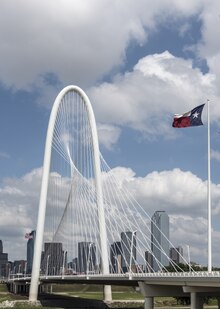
[209, 197]
[44, 189]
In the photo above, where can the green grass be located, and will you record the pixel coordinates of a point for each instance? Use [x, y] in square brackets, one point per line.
[5, 295]
[78, 290]
[96, 291]
[3, 287]
[88, 288]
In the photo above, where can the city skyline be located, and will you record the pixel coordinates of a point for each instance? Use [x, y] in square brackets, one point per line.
[123, 256]
[154, 60]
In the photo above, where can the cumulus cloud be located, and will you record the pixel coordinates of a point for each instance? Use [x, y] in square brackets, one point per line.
[73, 41]
[177, 192]
[151, 94]
[209, 47]
[49, 44]
[18, 206]
[78, 41]
[108, 135]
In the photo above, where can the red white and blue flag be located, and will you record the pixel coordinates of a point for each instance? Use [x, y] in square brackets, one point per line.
[189, 119]
[28, 236]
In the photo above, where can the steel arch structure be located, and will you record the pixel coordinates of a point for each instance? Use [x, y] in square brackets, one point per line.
[44, 190]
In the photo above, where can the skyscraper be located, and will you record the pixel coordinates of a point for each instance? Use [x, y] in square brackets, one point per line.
[116, 257]
[128, 247]
[160, 239]
[176, 255]
[149, 261]
[3, 261]
[53, 258]
[1, 247]
[30, 250]
[86, 257]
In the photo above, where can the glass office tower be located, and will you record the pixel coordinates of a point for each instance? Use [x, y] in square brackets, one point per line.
[30, 251]
[128, 247]
[160, 239]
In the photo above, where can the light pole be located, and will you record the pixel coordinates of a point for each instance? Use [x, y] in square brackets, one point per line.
[74, 264]
[190, 269]
[88, 257]
[64, 257]
[9, 270]
[132, 241]
[25, 268]
[47, 265]
[119, 269]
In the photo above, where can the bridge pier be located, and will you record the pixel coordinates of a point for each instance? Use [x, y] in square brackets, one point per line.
[149, 291]
[148, 302]
[196, 301]
[107, 293]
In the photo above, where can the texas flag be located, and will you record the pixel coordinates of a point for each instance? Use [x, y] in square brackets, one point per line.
[28, 236]
[189, 119]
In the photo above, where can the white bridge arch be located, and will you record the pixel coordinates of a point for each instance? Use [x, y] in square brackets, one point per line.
[44, 188]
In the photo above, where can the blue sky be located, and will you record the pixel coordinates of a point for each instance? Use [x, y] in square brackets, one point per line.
[139, 63]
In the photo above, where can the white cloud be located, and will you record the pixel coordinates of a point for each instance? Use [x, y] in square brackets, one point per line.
[108, 135]
[152, 93]
[209, 47]
[74, 40]
[78, 41]
[19, 207]
[175, 191]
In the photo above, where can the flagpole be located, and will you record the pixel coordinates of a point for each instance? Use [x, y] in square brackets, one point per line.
[209, 197]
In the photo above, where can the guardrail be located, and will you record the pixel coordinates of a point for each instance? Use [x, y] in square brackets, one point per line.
[130, 276]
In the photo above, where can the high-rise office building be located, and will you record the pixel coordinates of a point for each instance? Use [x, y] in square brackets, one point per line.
[116, 257]
[3, 261]
[1, 246]
[30, 250]
[160, 239]
[53, 258]
[149, 261]
[176, 255]
[19, 266]
[128, 247]
[75, 265]
[86, 257]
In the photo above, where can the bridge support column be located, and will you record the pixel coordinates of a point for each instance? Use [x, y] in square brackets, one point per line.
[149, 303]
[196, 301]
[107, 293]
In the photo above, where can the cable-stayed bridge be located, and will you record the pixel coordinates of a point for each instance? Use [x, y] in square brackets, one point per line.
[90, 227]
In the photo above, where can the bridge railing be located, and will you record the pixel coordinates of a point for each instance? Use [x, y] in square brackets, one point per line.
[135, 276]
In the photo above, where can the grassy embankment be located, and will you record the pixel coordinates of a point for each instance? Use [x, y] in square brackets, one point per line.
[88, 292]
[5, 295]
[96, 292]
